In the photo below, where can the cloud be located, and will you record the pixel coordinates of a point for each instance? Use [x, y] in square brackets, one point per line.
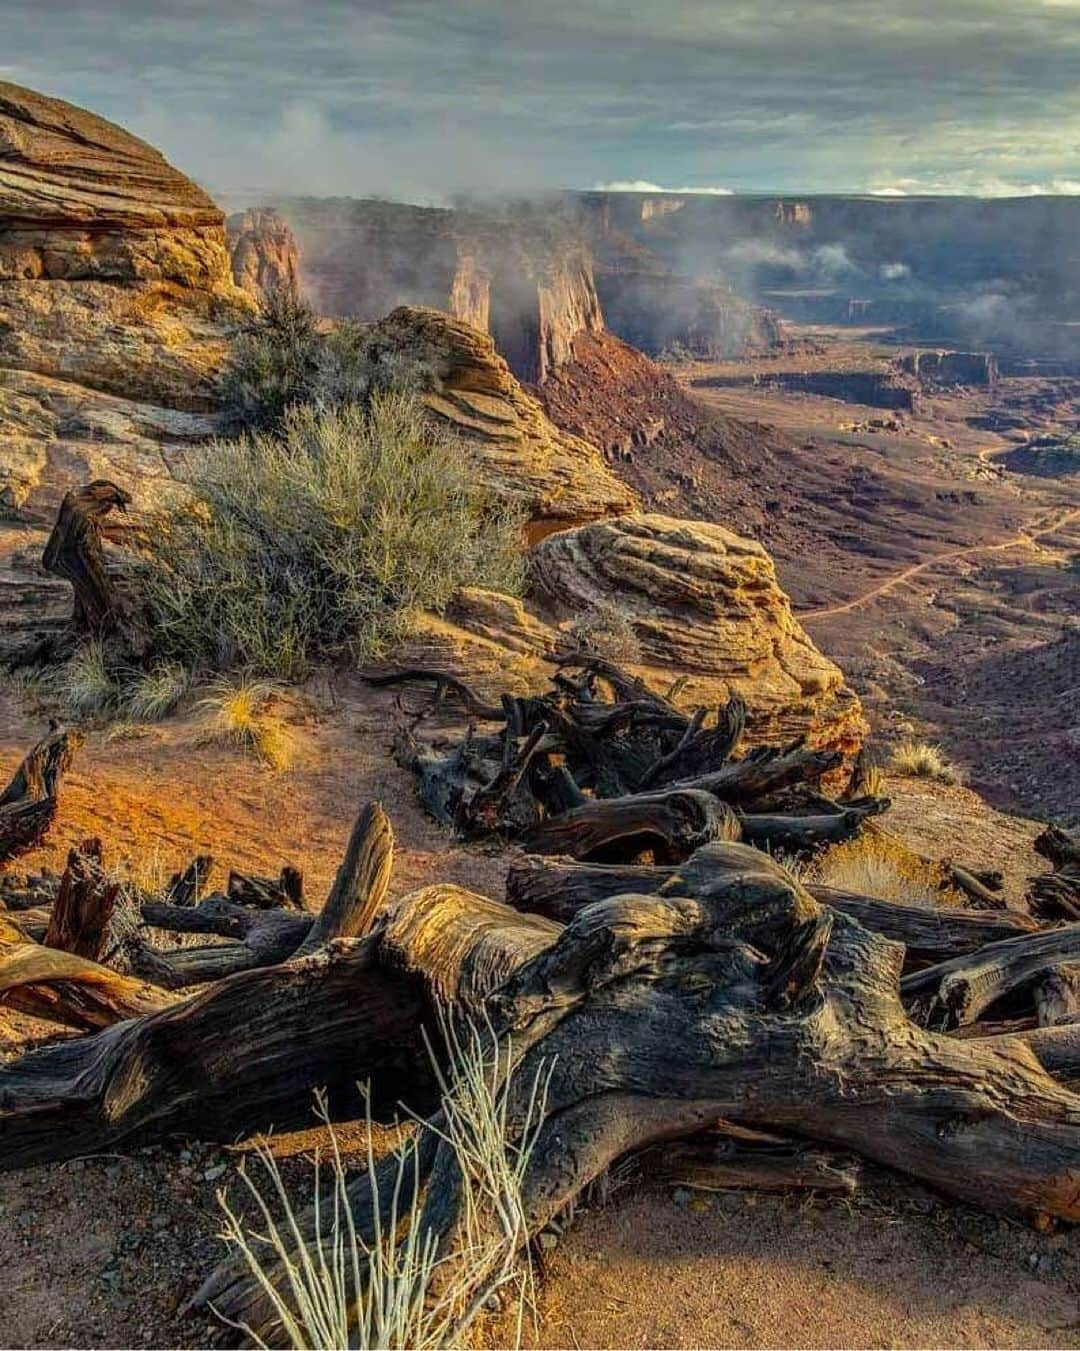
[420, 97]
[643, 185]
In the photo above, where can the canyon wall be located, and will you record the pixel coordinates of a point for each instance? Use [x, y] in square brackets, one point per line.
[526, 280]
[263, 252]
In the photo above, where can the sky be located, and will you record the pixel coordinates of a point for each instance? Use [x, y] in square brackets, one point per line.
[422, 99]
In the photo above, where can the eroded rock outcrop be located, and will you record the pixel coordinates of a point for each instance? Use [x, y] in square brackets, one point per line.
[512, 444]
[263, 251]
[704, 603]
[114, 270]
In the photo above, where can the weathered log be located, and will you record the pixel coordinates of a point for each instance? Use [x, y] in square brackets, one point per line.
[82, 916]
[28, 804]
[1056, 895]
[73, 551]
[740, 1158]
[267, 893]
[765, 771]
[673, 823]
[63, 987]
[801, 833]
[959, 991]
[266, 937]
[1057, 995]
[559, 888]
[654, 1017]
[183, 888]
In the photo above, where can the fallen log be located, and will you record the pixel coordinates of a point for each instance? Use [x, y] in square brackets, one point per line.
[956, 992]
[671, 824]
[28, 804]
[654, 1017]
[265, 937]
[559, 888]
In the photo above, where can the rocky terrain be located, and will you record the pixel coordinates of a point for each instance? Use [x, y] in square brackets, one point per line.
[746, 529]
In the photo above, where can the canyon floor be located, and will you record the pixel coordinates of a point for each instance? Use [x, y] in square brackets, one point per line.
[104, 1251]
[921, 554]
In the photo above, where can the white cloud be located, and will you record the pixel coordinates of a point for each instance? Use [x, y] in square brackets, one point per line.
[643, 185]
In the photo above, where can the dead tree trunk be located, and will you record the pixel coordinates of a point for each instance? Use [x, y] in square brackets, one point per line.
[673, 823]
[655, 1016]
[74, 552]
[28, 804]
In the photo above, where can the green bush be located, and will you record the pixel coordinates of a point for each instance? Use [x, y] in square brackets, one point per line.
[283, 359]
[321, 541]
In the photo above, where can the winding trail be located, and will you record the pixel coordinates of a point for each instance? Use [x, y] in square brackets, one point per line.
[1018, 540]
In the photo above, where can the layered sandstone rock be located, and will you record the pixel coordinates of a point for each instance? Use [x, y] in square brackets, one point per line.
[113, 266]
[509, 440]
[704, 603]
[263, 251]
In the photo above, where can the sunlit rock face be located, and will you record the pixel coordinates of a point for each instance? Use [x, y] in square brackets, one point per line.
[704, 603]
[263, 251]
[114, 270]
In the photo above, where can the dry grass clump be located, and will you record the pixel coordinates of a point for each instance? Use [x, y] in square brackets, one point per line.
[321, 542]
[240, 712]
[155, 693]
[876, 864]
[85, 683]
[348, 1289]
[921, 760]
[606, 631]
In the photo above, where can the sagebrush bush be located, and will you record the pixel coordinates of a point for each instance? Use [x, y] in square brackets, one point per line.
[920, 760]
[283, 359]
[86, 683]
[321, 542]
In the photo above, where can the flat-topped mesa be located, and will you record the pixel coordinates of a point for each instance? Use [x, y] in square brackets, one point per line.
[511, 443]
[704, 603]
[263, 251]
[114, 270]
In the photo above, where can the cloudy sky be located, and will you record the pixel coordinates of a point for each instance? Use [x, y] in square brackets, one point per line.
[422, 98]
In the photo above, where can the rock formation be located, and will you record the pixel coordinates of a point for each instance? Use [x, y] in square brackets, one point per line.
[101, 237]
[263, 251]
[526, 279]
[513, 446]
[704, 603]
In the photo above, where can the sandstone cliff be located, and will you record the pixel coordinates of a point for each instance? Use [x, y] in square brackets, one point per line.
[263, 252]
[525, 280]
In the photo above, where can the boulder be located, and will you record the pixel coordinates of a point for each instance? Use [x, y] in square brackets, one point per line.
[510, 441]
[704, 603]
[101, 237]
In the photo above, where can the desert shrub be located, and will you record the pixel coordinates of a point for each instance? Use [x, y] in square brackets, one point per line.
[606, 631]
[920, 760]
[376, 1290]
[240, 713]
[879, 865]
[283, 358]
[322, 542]
[273, 361]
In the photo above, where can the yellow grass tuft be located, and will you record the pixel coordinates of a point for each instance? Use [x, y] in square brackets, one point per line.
[880, 865]
[239, 713]
[921, 760]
